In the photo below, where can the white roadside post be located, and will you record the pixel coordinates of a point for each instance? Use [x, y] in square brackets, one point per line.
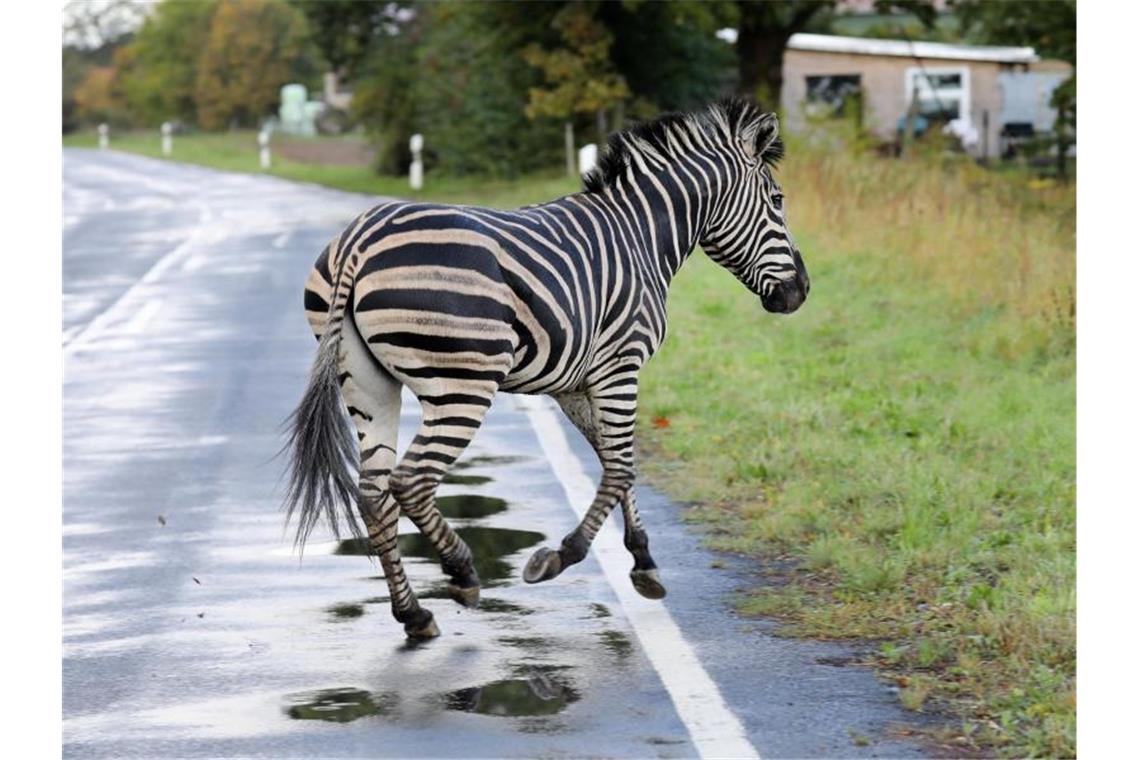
[104, 135]
[587, 158]
[167, 138]
[416, 170]
[263, 144]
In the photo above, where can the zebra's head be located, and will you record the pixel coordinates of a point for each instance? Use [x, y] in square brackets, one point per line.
[748, 232]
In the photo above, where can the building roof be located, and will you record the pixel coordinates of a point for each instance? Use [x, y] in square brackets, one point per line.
[827, 43]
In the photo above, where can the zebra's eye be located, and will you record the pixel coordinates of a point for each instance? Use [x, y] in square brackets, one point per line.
[778, 201]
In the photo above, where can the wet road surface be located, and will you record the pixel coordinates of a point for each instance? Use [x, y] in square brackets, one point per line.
[191, 628]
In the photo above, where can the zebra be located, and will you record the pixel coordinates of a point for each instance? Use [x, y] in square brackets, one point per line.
[565, 298]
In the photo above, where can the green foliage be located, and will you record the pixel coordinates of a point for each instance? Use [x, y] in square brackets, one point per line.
[78, 61]
[579, 73]
[383, 100]
[1049, 27]
[345, 30]
[95, 99]
[689, 66]
[253, 48]
[158, 71]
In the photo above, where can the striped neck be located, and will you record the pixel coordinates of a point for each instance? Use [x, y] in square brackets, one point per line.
[668, 204]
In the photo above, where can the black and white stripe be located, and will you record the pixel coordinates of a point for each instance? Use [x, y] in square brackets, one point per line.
[565, 298]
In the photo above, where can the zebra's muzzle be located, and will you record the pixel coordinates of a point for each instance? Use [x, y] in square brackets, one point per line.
[786, 296]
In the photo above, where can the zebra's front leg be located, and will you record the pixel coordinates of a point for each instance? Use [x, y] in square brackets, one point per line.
[546, 563]
[644, 574]
[609, 430]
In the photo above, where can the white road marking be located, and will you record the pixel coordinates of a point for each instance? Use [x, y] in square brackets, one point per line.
[116, 311]
[137, 324]
[193, 263]
[715, 730]
[282, 239]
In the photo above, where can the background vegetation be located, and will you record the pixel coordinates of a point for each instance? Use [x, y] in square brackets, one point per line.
[492, 83]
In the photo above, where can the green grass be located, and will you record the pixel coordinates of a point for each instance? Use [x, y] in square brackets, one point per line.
[904, 445]
[237, 151]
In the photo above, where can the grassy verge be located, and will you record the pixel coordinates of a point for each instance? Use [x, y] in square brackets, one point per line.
[237, 151]
[907, 440]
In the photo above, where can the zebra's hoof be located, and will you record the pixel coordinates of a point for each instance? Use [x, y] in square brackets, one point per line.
[421, 629]
[468, 597]
[648, 583]
[543, 565]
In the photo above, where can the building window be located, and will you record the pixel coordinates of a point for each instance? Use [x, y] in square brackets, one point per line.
[830, 95]
[943, 93]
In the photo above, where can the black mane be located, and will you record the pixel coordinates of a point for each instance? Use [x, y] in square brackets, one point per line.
[615, 158]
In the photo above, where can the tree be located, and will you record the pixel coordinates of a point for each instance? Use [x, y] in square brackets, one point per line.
[580, 77]
[347, 31]
[95, 99]
[252, 49]
[92, 33]
[762, 35]
[765, 28]
[383, 99]
[690, 65]
[158, 71]
[1051, 29]
[471, 86]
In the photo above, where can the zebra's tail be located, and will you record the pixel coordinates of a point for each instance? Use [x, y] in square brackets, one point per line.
[322, 448]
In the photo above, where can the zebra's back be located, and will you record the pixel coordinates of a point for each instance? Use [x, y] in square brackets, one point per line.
[462, 292]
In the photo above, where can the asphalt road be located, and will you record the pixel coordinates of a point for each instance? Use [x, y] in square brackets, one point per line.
[192, 629]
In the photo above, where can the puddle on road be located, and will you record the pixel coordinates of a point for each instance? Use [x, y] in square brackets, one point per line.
[470, 506]
[538, 694]
[489, 545]
[338, 705]
[617, 643]
[354, 547]
[486, 460]
[456, 479]
[346, 611]
[599, 610]
[500, 606]
[529, 643]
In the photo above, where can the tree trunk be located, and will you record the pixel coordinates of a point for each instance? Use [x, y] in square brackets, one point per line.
[760, 59]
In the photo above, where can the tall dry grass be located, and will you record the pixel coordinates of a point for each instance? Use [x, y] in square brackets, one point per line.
[1002, 240]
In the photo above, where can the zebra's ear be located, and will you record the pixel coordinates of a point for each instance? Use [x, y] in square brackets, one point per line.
[759, 135]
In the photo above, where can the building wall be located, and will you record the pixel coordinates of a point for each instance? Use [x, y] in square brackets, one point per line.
[883, 80]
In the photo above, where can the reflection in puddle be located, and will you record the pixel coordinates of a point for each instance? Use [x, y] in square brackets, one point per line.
[495, 606]
[338, 705]
[470, 506]
[537, 695]
[599, 610]
[616, 642]
[489, 545]
[525, 642]
[346, 611]
[465, 480]
[483, 461]
[353, 546]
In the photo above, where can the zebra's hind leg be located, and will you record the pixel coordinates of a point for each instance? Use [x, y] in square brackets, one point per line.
[373, 399]
[449, 423]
